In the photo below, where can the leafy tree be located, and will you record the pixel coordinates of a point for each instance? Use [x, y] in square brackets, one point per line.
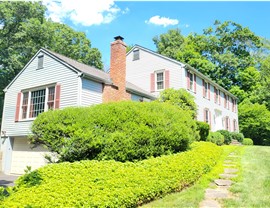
[180, 98]
[170, 43]
[254, 122]
[25, 30]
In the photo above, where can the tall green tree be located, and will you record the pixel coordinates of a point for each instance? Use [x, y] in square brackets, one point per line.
[24, 30]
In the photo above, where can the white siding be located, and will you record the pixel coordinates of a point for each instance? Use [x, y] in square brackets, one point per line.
[91, 92]
[139, 71]
[53, 72]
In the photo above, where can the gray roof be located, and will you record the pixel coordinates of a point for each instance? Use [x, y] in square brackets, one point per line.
[99, 75]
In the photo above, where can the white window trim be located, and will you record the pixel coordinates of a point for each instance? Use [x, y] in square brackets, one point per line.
[29, 101]
[164, 78]
[206, 90]
[191, 86]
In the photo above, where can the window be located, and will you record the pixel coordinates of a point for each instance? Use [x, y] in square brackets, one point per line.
[40, 61]
[207, 116]
[205, 87]
[234, 125]
[25, 105]
[136, 55]
[227, 123]
[160, 80]
[191, 81]
[216, 95]
[225, 100]
[37, 101]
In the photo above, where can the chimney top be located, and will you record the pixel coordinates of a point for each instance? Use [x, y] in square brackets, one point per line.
[119, 38]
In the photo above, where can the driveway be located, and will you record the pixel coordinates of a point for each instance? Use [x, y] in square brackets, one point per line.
[7, 180]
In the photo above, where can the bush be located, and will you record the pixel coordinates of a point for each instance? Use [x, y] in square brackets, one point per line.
[254, 122]
[123, 131]
[180, 98]
[114, 184]
[216, 138]
[237, 136]
[203, 129]
[247, 141]
[227, 136]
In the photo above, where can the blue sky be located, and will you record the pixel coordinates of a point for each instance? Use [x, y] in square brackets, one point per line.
[139, 21]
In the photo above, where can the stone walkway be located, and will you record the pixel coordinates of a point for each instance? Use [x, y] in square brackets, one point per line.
[220, 188]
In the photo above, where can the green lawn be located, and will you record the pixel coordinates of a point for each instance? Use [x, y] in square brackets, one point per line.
[253, 189]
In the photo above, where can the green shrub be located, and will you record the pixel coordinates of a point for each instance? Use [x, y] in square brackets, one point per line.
[216, 137]
[115, 184]
[180, 98]
[123, 131]
[203, 129]
[227, 136]
[237, 136]
[247, 141]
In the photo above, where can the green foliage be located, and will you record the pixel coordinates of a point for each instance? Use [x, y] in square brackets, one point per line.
[180, 98]
[123, 131]
[237, 136]
[115, 184]
[30, 178]
[216, 138]
[247, 141]
[254, 122]
[227, 136]
[203, 129]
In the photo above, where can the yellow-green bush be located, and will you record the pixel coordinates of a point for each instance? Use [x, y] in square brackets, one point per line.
[122, 131]
[114, 184]
[247, 141]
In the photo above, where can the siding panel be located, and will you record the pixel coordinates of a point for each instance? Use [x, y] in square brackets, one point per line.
[91, 92]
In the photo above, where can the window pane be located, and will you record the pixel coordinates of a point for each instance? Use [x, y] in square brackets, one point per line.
[37, 103]
[24, 105]
[160, 85]
[160, 76]
[51, 97]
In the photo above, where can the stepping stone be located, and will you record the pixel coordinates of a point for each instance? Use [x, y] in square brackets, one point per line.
[209, 203]
[223, 182]
[216, 193]
[228, 161]
[229, 165]
[233, 156]
[227, 175]
[230, 170]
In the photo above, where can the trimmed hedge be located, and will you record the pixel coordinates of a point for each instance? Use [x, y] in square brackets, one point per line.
[111, 183]
[216, 138]
[122, 131]
[247, 141]
[237, 136]
[203, 129]
[227, 136]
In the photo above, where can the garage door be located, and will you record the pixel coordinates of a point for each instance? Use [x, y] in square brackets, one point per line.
[23, 155]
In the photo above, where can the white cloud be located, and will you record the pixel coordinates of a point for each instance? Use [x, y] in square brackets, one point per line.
[164, 21]
[85, 12]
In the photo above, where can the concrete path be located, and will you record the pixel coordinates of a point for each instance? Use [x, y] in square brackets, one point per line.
[222, 185]
[7, 180]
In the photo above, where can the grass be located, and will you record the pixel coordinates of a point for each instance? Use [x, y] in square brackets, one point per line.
[192, 196]
[253, 187]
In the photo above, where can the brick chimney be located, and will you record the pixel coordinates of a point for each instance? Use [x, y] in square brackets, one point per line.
[117, 92]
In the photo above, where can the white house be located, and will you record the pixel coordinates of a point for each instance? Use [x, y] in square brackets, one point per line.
[154, 72]
[53, 81]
